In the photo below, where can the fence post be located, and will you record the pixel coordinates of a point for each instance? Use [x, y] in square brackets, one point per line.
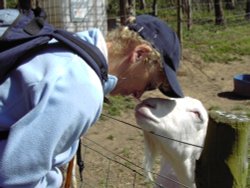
[224, 159]
[179, 20]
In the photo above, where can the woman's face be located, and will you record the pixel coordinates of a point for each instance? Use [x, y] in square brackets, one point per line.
[134, 79]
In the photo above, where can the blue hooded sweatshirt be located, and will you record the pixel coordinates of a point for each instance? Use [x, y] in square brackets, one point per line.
[47, 103]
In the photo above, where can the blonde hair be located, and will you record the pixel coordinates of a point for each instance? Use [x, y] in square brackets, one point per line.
[125, 38]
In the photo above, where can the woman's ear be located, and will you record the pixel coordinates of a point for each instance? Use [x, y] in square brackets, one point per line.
[140, 52]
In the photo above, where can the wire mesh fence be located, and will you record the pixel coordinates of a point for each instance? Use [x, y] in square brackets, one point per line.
[76, 15]
[110, 165]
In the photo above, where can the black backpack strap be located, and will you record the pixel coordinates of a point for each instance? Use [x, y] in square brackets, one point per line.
[24, 4]
[4, 135]
[86, 51]
[79, 159]
[14, 60]
[29, 32]
[34, 26]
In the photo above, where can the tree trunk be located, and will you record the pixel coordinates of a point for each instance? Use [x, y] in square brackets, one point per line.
[179, 21]
[209, 5]
[189, 14]
[247, 16]
[154, 8]
[142, 4]
[229, 4]
[219, 20]
[2, 4]
[187, 10]
[123, 15]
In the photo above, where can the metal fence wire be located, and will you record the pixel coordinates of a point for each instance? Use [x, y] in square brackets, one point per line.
[79, 15]
[107, 164]
[113, 155]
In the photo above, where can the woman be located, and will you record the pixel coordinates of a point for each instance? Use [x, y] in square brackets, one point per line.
[144, 55]
[54, 97]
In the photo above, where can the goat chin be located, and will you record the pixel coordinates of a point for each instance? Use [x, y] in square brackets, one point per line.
[182, 119]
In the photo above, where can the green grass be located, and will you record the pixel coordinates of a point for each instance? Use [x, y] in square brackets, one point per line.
[118, 104]
[218, 43]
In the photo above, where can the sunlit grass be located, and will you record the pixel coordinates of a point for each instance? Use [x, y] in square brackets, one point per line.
[118, 104]
[221, 44]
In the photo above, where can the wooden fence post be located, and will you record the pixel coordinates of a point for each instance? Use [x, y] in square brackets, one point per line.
[224, 159]
[179, 21]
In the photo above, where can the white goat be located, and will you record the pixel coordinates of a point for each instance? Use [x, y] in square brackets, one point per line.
[184, 120]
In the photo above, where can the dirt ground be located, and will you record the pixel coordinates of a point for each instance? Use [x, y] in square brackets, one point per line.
[113, 150]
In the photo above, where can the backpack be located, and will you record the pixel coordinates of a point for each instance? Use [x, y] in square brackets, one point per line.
[21, 32]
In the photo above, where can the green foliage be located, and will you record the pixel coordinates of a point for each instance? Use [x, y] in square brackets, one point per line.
[11, 3]
[113, 8]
